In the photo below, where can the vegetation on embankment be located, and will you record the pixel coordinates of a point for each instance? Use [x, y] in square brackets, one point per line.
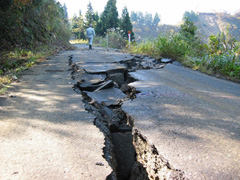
[30, 30]
[220, 56]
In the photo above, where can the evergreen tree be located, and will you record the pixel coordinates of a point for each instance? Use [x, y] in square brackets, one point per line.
[65, 11]
[126, 24]
[148, 19]
[188, 29]
[109, 18]
[140, 18]
[78, 26]
[90, 16]
[65, 15]
[96, 17]
[79, 13]
[156, 20]
[134, 16]
[191, 15]
[98, 28]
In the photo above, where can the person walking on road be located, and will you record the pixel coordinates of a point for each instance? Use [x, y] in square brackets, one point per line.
[90, 35]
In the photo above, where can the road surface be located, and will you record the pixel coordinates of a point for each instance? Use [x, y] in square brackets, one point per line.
[185, 121]
[45, 131]
[193, 119]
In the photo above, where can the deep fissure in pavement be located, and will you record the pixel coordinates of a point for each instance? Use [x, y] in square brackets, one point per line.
[126, 150]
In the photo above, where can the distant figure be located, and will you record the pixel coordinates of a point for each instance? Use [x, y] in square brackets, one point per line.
[90, 35]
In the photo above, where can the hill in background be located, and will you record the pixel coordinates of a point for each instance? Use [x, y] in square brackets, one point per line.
[207, 24]
[213, 23]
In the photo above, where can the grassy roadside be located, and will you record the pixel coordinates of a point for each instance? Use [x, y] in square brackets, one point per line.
[225, 66]
[220, 57]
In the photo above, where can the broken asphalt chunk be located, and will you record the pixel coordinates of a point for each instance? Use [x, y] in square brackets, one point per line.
[107, 97]
[105, 85]
[166, 60]
[103, 68]
[93, 78]
[86, 86]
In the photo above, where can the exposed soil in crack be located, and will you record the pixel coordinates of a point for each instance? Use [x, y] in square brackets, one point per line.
[126, 150]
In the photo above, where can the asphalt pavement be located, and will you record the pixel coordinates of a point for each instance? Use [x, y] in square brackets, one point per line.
[45, 131]
[193, 119]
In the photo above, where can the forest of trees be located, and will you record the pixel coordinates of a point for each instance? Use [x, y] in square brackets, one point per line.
[108, 19]
[142, 26]
[145, 25]
[145, 19]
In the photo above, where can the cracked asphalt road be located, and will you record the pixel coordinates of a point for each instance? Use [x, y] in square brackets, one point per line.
[45, 131]
[193, 119]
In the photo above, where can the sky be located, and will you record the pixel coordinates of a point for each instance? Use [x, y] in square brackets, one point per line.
[170, 11]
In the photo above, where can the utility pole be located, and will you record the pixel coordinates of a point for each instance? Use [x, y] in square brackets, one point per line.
[129, 37]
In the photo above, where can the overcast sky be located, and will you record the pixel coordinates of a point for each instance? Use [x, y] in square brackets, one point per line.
[171, 11]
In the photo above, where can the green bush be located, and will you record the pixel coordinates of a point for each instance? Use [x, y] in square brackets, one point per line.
[172, 46]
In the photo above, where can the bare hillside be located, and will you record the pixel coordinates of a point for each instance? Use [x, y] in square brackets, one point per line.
[208, 24]
[213, 23]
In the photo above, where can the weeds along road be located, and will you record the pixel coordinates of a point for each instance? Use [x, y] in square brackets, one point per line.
[131, 118]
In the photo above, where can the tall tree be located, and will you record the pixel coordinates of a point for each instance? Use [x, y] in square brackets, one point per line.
[96, 17]
[188, 29]
[134, 16]
[65, 11]
[78, 26]
[191, 15]
[90, 15]
[141, 19]
[156, 20]
[126, 24]
[109, 18]
[148, 19]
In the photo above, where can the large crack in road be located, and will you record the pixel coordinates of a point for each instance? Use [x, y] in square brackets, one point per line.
[127, 151]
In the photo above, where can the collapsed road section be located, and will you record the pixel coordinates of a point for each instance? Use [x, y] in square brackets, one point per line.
[104, 87]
